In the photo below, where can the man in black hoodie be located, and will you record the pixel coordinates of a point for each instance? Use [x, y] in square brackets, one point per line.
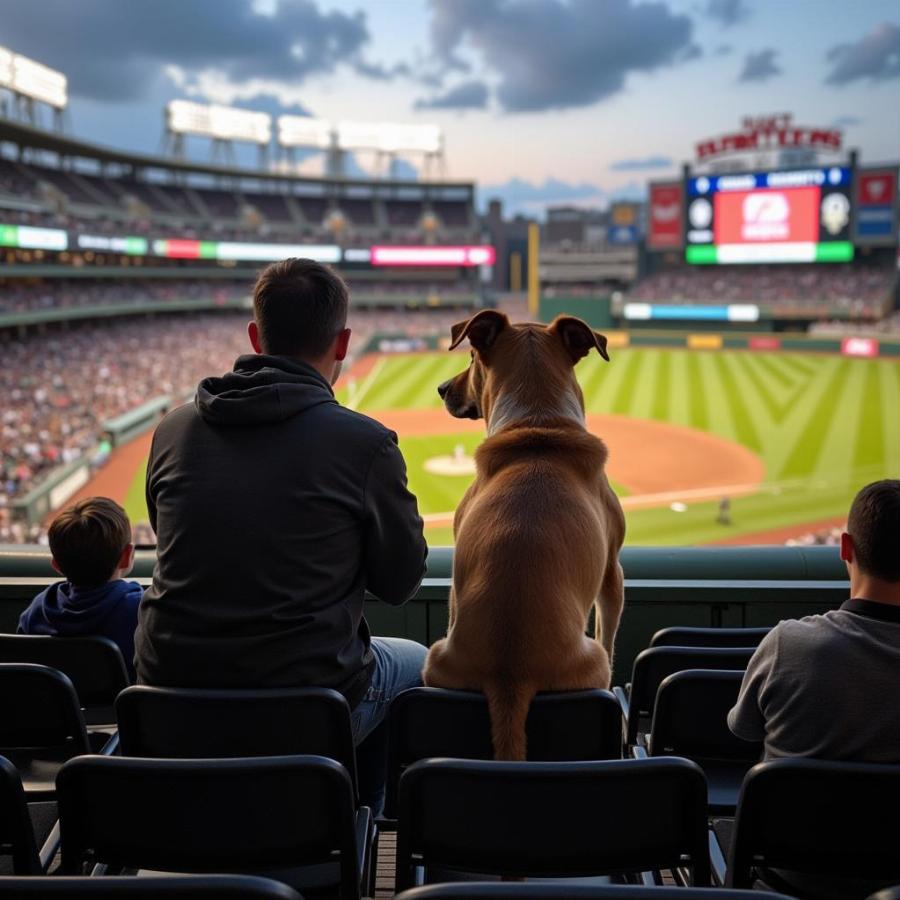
[275, 509]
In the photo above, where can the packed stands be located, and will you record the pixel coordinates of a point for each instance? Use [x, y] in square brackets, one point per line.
[814, 291]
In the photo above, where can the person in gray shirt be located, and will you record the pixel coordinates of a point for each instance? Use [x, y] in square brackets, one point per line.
[825, 686]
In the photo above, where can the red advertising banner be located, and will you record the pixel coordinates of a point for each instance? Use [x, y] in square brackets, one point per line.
[877, 188]
[858, 346]
[764, 343]
[666, 204]
[767, 216]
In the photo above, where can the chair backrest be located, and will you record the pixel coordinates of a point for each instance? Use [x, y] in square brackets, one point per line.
[429, 722]
[208, 815]
[654, 664]
[814, 816]
[683, 636]
[552, 819]
[493, 890]
[689, 717]
[166, 887]
[93, 664]
[891, 893]
[176, 723]
[39, 709]
[16, 834]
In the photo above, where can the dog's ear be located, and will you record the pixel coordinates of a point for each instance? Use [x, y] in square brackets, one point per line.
[579, 337]
[481, 330]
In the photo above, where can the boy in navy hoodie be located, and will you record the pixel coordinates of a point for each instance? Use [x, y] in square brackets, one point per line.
[91, 545]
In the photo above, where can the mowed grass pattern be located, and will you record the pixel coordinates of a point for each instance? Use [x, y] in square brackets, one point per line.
[822, 425]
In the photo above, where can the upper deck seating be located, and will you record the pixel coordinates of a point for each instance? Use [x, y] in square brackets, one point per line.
[551, 819]
[93, 664]
[192, 887]
[430, 722]
[708, 637]
[267, 815]
[689, 720]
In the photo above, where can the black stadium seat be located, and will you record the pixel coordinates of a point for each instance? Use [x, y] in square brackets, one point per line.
[18, 849]
[93, 664]
[238, 887]
[546, 819]
[654, 664]
[679, 636]
[177, 723]
[830, 819]
[430, 722]
[268, 815]
[492, 890]
[689, 720]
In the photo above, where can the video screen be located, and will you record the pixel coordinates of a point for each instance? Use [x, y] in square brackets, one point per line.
[793, 216]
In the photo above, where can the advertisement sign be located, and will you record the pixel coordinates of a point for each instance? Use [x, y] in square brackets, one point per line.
[735, 312]
[765, 133]
[859, 346]
[876, 211]
[433, 256]
[801, 215]
[28, 237]
[665, 216]
[764, 343]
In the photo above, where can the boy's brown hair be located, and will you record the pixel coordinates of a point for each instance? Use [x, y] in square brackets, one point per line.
[874, 525]
[300, 307]
[87, 540]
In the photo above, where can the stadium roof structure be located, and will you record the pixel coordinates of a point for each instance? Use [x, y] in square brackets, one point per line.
[27, 136]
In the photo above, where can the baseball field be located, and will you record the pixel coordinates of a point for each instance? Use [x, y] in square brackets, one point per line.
[788, 438]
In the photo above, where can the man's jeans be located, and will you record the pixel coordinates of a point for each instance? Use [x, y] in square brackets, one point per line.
[398, 666]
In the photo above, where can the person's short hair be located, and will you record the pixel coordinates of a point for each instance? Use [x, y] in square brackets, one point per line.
[87, 540]
[300, 307]
[874, 525]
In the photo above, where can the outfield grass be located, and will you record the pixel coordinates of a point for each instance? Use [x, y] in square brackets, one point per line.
[822, 425]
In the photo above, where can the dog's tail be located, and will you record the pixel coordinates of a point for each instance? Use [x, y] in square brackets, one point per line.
[508, 706]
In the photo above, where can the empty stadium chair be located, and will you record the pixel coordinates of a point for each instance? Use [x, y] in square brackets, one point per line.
[41, 725]
[492, 890]
[18, 848]
[547, 819]
[176, 723]
[689, 720]
[93, 664]
[654, 664]
[802, 818]
[429, 722]
[891, 893]
[679, 636]
[239, 887]
[267, 815]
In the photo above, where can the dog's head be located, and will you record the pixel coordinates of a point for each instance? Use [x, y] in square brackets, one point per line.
[536, 359]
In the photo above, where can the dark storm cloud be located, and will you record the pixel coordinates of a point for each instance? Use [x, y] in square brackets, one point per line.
[875, 56]
[114, 50]
[643, 163]
[760, 66]
[551, 54]
[469, 95]
[727, 12]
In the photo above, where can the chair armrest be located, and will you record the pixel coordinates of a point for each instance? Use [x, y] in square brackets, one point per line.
[639, 752]
[716, 860]
[111, 747]
[364, 833]
[50, 848]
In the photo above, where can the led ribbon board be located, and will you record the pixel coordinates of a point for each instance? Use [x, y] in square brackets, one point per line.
[479, 255]
[794, 216]
[27, 237]
[175, 248]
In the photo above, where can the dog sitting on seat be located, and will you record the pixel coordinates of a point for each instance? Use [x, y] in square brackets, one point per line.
[538, 532]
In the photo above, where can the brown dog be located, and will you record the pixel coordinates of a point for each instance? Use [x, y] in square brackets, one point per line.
[538, 532]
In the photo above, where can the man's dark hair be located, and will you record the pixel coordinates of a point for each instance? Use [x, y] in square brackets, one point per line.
[874, 525]
[87, 539]
[300, 306]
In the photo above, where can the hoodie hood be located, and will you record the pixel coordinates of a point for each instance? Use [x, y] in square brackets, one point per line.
[63, 605]
[261, 390]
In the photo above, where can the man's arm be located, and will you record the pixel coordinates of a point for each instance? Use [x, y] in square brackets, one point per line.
[747, 718]
[395, 544]
[148, 493]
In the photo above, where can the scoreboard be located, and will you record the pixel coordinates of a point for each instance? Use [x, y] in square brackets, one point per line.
[789, 216]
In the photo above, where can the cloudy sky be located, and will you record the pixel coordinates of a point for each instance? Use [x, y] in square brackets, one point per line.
[548, 99]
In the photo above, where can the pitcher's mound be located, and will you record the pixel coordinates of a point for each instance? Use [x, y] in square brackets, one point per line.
[458, 464]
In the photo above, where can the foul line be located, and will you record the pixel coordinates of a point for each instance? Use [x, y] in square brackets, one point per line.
[366, 386]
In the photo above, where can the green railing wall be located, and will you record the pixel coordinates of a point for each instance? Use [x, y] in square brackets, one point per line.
[721, 586]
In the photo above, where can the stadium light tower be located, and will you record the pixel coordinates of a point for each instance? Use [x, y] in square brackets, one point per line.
[31, 85]
[223, 125]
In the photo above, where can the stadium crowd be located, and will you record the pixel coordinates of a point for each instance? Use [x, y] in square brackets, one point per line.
[856, 290]
[59, 387]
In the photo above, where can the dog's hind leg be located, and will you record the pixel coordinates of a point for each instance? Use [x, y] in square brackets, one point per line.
[508, 706]
[608, 607]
